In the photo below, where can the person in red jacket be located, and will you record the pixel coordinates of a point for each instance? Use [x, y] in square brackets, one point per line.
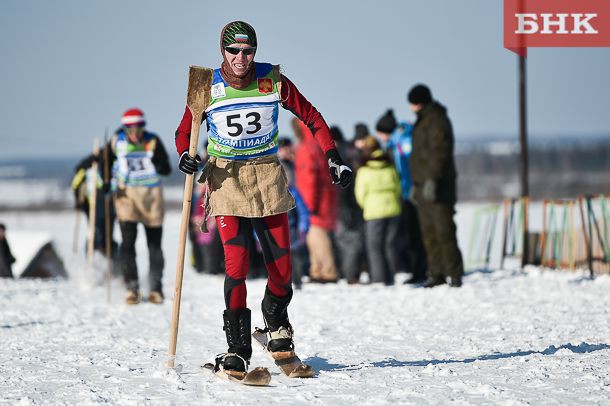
[321, 198]
[248, 187]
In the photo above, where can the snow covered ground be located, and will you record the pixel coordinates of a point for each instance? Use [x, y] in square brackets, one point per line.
[505, 337]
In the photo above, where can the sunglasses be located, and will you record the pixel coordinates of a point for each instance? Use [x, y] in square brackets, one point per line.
[235, 50]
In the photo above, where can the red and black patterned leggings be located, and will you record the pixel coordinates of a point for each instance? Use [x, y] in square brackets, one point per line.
[238, 242]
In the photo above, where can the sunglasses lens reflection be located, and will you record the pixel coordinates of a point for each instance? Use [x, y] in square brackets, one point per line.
[235, 51]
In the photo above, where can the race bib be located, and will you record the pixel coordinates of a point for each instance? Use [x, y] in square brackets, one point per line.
[242, 124]
[140, 166]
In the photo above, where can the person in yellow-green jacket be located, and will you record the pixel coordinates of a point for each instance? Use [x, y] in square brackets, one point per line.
[83, 183]
[377, 191]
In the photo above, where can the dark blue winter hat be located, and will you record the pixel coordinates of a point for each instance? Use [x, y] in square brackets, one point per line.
[387, 123]
[419, 94]
[361, 131]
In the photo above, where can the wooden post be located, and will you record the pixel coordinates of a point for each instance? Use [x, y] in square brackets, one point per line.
[572, 248]
[92, 203]
[492, 234]
[198, 98]
[526, 203]
[505, 233]
[585, 233]
[107, 217]
[543, 234]
[76, 230]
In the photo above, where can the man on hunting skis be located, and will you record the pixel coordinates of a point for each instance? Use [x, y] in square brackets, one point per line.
[139, 159]
[248, 187]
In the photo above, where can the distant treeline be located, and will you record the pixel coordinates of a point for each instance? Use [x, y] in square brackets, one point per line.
[488, 168]
[558, 168]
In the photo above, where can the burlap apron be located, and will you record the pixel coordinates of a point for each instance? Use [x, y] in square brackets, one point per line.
[256, 187]
[140, 204]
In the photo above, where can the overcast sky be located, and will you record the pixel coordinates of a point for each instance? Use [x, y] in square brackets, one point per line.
[68, 69]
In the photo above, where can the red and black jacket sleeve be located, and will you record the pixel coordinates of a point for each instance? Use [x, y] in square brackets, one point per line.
[291, 100]
[296, 103]
[183, 132]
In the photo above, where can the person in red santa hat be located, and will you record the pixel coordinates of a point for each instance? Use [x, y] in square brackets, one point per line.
[138, 160]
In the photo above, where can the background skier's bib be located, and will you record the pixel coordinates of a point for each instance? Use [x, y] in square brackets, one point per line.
[134, 166]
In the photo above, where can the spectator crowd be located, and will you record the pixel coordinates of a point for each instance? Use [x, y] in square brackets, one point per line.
[397, 216]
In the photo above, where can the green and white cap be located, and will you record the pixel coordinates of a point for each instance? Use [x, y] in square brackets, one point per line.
[238, 32]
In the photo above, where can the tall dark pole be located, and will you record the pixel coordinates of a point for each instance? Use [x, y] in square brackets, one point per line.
[523, 167]
[107, 202]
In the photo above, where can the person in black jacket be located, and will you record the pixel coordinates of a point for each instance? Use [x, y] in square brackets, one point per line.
[6, 257]
[349, 236]
[434, 187]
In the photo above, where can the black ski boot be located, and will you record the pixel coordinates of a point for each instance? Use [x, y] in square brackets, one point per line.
[433, 281]
[237, 329]
[275, 315]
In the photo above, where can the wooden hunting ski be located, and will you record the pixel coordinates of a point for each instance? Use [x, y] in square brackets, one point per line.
[288, 361]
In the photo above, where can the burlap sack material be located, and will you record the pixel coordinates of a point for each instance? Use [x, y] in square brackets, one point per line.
[256, 187]
[140, 204]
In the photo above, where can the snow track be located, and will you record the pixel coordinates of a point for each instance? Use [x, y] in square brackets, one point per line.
[505, 337]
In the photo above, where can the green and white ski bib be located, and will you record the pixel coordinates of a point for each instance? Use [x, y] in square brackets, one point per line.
[243, 123]
[134, 166]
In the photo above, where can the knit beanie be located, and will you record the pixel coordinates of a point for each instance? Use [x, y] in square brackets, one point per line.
[238, 32]
[361, 131]
[133, 118]
[284, 142]
[336, 134]
[387, 123]
[419, 94]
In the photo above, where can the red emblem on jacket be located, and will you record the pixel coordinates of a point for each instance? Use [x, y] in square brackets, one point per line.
[265, 85]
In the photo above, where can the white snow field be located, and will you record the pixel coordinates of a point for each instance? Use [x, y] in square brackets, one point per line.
[506, 337]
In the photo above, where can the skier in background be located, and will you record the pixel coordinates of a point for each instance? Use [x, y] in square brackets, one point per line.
[139, 159]
[248, 187]
[83, 182]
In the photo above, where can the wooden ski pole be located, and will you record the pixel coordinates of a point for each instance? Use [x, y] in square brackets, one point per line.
[197, 100]
[76, 229]
[108, 238]
[92, 203]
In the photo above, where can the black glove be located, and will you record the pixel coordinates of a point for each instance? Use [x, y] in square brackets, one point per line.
[188, 164]
[339, 172]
